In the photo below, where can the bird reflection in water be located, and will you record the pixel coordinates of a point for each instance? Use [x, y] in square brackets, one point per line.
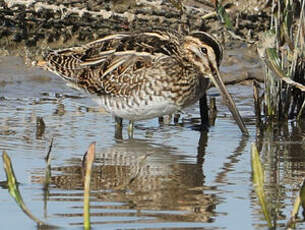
[151, 179]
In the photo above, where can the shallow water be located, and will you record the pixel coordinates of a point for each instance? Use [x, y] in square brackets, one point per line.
[168, 176]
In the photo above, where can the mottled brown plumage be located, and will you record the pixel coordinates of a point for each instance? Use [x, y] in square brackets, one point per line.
[142, 75]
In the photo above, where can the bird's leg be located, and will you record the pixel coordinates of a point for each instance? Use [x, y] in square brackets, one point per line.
[118, 127]
[176, 118]
[213, 111]
[130, 129]
[204, 114]
[166, 119]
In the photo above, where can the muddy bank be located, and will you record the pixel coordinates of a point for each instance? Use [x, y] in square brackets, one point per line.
[27, 27]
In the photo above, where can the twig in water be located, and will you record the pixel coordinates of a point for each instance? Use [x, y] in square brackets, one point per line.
[47, 177]
[257, 103]
[47, 158]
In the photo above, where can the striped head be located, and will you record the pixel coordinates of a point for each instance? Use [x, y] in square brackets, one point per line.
[204, 51]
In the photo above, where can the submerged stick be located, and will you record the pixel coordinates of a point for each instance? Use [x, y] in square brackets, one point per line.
[257, 103]
[299, 116]
[47, 177]
[47, 158]
[14, 189]
[90, 158]
[48, 167]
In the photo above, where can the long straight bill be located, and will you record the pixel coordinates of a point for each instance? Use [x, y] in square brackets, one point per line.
[228, 100]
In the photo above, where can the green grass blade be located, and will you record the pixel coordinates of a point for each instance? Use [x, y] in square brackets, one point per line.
[258, 182]
[225, 18]
[296, 207]
[14, 190]
[302, 195]
[287, 24]
[273, 58]
[177, 4]
[299, 200]
[294, 213]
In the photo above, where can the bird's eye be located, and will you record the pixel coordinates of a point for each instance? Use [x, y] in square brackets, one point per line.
[204, 50]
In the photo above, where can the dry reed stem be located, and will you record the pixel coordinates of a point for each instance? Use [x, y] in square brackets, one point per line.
[90, 158]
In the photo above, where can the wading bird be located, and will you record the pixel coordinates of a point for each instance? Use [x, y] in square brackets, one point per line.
[138, 76]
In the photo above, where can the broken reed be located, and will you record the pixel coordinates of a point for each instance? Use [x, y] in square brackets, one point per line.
[283, 49]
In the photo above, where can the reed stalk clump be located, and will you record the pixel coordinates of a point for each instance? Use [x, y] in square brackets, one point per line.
[282, 50]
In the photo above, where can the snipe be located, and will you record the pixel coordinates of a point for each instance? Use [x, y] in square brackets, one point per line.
[139, 76]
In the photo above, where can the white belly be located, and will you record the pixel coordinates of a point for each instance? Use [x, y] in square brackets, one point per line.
[137, 111]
